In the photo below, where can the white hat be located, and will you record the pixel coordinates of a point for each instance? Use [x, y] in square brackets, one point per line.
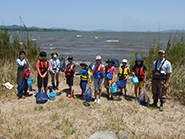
[124, 61]
[161, 51]
[98, 57]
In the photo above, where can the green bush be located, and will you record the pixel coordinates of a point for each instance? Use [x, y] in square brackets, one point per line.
[175, 53]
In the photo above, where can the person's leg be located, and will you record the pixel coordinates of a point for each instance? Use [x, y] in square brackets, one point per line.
[45, 84]
[100, 91]
[67, 82]
[39, 82]
[52, 81]
[95, 88]
[71, 86]
[57, 80]
[139, 92]
[155, 92]
[135, 90]
[100, 84]
[125, 89]
[162, 95]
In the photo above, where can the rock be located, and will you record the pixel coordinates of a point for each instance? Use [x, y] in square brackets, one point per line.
[58, 137]
[122, 132]
[107, 134]
[2, 137]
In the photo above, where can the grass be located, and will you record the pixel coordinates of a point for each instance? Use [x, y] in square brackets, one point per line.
[38, 107]
[54, 117]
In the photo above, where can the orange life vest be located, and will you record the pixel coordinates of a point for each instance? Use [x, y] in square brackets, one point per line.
[140, 73]
[70, 71]
[43, 66]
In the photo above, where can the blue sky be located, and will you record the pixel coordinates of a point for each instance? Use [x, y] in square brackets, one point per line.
[118, 15]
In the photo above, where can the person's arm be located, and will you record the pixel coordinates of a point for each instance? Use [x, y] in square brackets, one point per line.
[133, 71]
[38, 70]
[128, 71]
[113, 77]
[51, 67]
[21, 63]
[167, 79]
[58, 65]
[81, 72]
[91, 77]
[118, 74]
[74, 69]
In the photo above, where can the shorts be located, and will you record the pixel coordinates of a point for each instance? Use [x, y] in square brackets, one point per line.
[98, 84]
[107, 83]
[140, 84]
[69, 80]
[157, 89]
[83, 85]
[42, 81]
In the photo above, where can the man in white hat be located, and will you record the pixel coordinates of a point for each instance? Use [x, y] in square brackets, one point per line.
[161, 73]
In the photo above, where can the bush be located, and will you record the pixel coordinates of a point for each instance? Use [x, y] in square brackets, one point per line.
[175, 54]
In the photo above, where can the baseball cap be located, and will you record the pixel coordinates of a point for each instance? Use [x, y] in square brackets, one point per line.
[98, 57]
[70, 58]
[124, 61]
[161, 51]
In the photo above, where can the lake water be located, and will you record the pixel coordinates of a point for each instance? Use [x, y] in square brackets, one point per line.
[84, 46]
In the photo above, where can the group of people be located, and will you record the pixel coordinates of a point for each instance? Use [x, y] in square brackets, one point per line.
[99, 73]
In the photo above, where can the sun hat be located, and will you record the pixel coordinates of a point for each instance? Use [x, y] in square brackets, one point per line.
[110, 61]
[124, 61]
[98, 57]
[83, 64]
[161, 51]
[54, 53]
[139, 59]
[70, 58]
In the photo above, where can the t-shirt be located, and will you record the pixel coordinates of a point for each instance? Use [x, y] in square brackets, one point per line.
[110, 69]
[38, 65]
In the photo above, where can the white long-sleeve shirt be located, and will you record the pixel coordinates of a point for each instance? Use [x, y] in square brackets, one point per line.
[55, 63]
[21, 63]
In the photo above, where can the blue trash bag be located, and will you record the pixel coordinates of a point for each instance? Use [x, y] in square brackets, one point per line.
[62, 65]
[144, 99]
[88, 95]
[41, 98]
[108, 75]
[21, 87]
[121, 83]
[116, 62]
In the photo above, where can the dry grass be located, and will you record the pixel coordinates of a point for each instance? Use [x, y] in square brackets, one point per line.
[70, 119]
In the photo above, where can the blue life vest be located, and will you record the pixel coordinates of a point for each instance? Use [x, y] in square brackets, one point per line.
[98, 75]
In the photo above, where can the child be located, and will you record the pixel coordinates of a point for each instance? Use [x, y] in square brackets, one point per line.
[54, 62]
[43, 67]
[139, 70]
[84, 77]
[109, 76]
[123, 73]
[70, 71]
[98, 72]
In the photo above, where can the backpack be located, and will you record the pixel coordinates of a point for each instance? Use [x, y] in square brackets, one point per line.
[41, 98]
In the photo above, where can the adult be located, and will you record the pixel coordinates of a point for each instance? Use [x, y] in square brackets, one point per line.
[161, 74]
[55, 63]
[23, 66]
[98, 74]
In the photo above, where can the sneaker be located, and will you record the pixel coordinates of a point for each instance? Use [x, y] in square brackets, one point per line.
[111, 98]
[71, 96]
[98, 100]
[161, 108]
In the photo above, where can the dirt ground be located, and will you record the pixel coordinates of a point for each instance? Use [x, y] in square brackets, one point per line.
[71, 118]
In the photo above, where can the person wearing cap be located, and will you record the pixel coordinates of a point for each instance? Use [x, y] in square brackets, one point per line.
[98, 75]
[123, 74]
[43, 67]
[161, 73]
[109, 76]
[70, 71]
[139, 70]
[85, 73]
[54, 69]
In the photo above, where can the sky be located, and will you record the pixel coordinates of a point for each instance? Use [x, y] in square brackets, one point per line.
[88, 15]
